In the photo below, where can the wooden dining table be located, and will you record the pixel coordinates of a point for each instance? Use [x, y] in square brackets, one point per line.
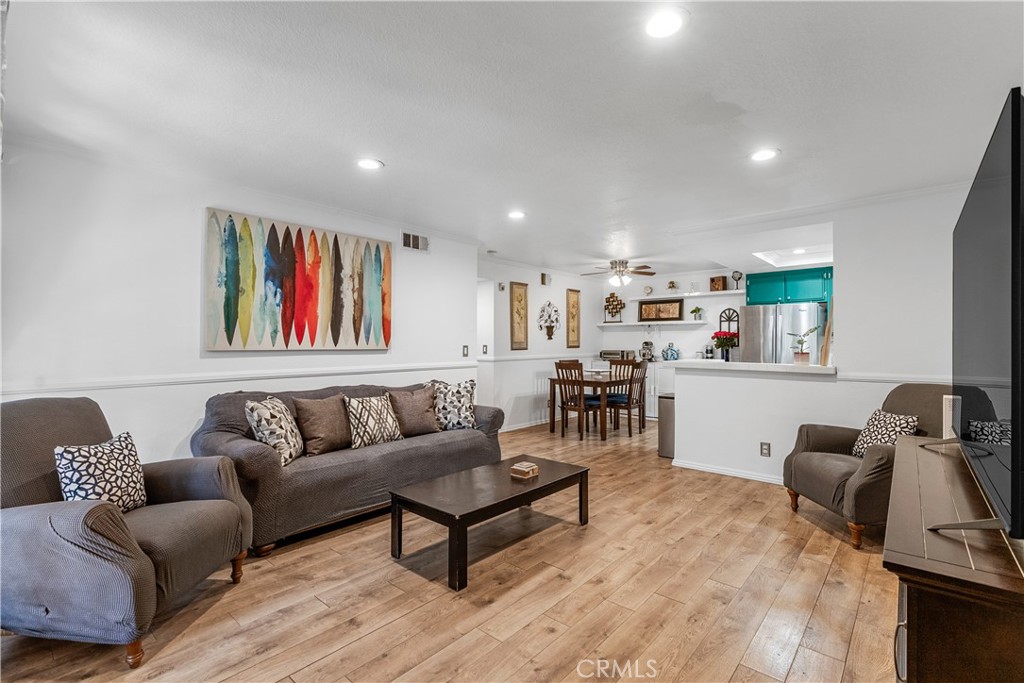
[599, 381]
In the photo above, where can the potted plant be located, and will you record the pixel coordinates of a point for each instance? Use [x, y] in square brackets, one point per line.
[724, 341]
[697, 312]
[800, 356]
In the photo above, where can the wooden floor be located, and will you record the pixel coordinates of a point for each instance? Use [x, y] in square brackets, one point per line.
[680, 576]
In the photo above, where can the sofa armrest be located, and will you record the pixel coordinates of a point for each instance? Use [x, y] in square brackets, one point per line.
[73, 570]
[258, 467]
[214, 478]
[489, 419]
[825, 439]
[867, 491]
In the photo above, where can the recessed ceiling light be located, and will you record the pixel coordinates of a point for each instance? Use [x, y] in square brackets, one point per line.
[517, 215]
[368, 164]
[666, 22]
[764, 154]
[799, 251]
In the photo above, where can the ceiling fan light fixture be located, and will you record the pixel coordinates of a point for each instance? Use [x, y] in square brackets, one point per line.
[517, 215]
[619, 280]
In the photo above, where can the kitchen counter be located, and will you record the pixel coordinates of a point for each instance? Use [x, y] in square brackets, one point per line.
[736, 366]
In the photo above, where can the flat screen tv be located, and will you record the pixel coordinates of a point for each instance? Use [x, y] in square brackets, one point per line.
[988, 311]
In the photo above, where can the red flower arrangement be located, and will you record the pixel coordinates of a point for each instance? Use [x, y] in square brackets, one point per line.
[725, 340]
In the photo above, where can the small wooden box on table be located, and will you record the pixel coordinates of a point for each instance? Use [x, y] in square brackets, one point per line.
[460, 500]
[961, 592]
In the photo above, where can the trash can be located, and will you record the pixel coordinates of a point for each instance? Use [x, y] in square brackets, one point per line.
[667, 425]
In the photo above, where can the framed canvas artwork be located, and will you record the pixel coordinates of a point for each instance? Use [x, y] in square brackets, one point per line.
[653, 310]
[273, 285]
[572, 318]
[519, 329]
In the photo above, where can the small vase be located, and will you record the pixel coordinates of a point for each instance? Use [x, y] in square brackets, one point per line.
[725, 355]
[801, 358]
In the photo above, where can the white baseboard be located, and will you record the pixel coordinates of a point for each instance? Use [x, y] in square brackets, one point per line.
[728, 471]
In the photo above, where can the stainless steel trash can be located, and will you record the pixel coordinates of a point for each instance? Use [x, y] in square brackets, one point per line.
[667, 425]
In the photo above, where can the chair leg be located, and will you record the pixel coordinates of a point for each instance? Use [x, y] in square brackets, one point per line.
[564, 418]
[629, 421]
[134, 653]
[794, 497]
[236, 566]
[855, 530]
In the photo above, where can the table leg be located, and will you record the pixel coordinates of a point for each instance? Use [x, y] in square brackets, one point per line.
[584, 500]
[396, 530]
[458, 556]
[551, 407]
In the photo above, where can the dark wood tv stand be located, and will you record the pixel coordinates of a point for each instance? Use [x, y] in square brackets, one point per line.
[961, 612]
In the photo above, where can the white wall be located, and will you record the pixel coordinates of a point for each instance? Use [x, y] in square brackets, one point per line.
[516, 381]
[101, 297]
[892, 324]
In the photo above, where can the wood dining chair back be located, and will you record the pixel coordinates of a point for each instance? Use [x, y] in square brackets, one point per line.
[572, 396]
[634, 398]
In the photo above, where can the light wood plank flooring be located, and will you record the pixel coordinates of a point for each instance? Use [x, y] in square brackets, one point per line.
[709, 578]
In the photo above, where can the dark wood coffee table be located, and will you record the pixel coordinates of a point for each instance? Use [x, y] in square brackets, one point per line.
[469, 497]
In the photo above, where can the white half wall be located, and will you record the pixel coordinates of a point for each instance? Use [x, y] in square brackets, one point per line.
[101, 287]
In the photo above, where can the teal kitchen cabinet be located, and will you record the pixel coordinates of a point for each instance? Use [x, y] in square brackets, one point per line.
[789, 287]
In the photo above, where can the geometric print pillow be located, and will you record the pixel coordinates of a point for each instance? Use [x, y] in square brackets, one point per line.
[883, 428]
[273, 424]
[107, 471]
[372, 420]
[453, 404]
[996, 433]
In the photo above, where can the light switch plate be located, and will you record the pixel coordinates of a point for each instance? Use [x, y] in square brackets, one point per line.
[766, 449]
[465, 350]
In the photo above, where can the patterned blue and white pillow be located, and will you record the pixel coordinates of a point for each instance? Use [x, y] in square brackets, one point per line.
[883, 428]
[108, 471]
[453, 404]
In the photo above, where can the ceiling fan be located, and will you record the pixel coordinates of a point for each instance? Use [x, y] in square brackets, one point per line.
[621, 272]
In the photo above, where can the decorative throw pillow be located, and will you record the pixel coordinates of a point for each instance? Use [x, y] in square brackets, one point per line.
[323, 423]
[273, 424]
[372, 420]
[415, 411]
[107, 471]
[995, 433]
[883, 428]
[453, 404]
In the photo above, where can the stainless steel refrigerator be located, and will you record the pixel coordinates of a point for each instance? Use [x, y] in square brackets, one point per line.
[764, 331]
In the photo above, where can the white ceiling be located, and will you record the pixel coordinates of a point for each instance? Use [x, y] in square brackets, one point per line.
[616, 144]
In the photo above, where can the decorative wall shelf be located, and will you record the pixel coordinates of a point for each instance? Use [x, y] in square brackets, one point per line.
[684, 295]
[661, 323]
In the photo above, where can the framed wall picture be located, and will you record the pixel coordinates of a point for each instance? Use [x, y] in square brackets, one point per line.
[655, 310]
[572, 318]
[272, 285]
[519, 306]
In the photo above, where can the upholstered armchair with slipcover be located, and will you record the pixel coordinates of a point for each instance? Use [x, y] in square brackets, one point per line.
[823, 468]
[86, 571]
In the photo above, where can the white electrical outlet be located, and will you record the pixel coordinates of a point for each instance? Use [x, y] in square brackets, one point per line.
[766, 449]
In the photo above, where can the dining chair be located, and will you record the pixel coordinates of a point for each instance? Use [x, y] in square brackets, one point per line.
[633, 398]
[573, 397]
[621, 370]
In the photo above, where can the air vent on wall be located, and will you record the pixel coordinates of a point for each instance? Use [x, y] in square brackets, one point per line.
[417, 242]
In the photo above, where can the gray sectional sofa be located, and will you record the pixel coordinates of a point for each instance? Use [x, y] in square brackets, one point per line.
[315, 490]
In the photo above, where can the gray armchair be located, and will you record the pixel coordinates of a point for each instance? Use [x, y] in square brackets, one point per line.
[822, 468]
[85, 571]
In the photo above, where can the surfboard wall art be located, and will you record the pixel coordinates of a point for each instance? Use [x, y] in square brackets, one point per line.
[278, 286]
